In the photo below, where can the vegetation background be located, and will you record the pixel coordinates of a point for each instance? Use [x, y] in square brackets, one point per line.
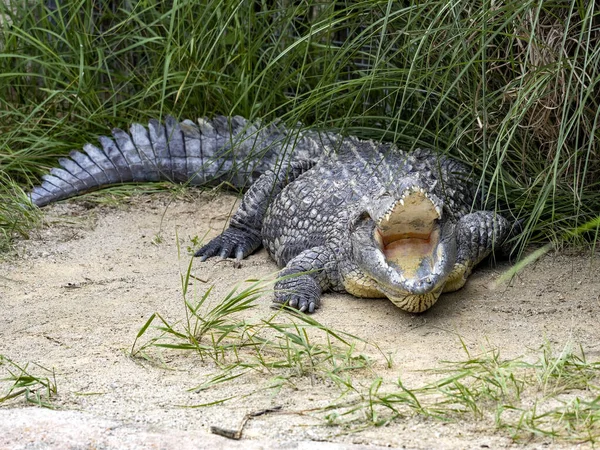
[509, 87]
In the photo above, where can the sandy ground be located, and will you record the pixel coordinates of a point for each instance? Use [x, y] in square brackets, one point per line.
[74, 296]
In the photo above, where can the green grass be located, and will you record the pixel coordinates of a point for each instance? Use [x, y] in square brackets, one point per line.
[285, 346]
[557, 396]
[23, 383]
[509, 88]
[17, 216]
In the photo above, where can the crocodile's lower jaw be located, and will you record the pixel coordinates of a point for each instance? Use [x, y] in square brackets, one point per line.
[362, 286]
[416, 303]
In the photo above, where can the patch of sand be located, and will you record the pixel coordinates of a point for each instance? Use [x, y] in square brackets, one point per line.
[74, 296]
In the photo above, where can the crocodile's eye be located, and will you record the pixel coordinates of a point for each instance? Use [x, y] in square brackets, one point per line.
[360, 220]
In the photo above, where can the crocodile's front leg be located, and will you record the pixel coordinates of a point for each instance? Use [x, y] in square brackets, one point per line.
[305, 277]
[478, 235]
[243, 236]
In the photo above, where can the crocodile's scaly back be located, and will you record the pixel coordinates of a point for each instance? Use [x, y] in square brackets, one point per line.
[231, 150]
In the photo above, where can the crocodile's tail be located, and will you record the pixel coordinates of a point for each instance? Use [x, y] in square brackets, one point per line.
[222, 150]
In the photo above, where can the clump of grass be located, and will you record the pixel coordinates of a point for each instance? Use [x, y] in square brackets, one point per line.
[556, 396]
[507, 88]
[17, 216]
[287, 347]
[24, 384]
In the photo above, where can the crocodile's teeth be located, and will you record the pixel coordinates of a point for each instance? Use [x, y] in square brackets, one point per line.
[379, 240]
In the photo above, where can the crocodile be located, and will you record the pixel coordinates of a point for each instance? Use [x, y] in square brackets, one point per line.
[337, 213]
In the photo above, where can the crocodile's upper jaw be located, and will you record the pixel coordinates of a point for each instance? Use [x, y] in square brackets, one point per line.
[407, 252]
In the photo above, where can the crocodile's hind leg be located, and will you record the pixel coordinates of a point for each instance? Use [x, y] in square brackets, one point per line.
[243, 236]
[478, 235]
[305, 277]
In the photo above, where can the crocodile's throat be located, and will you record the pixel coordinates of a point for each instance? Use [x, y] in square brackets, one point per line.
[409, 232]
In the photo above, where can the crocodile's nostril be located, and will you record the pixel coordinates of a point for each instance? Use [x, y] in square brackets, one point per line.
[425, 282]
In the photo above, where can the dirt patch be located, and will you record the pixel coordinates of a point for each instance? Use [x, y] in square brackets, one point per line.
[74, 297]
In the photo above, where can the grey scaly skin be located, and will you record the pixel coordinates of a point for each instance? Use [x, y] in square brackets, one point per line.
[337, 213]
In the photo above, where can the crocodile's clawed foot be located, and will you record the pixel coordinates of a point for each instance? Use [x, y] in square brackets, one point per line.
[233, 243]
[301, 293]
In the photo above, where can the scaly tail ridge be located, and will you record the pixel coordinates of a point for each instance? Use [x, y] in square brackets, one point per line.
[230, 150]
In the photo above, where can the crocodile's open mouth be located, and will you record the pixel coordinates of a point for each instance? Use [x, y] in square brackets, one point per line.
[409, 232]
[404, 253]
